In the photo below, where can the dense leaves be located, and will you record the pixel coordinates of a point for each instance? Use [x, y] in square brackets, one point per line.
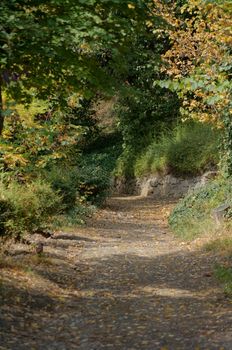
[62, 45]
[69, 55]
[199, 65]
[192, 215]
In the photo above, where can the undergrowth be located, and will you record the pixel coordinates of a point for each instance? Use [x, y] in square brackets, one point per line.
[192, 215]
[220, 245]
[223, 272]
[59, 195]
[97, 165]
[27, 207]
[188, 149]
[224, 275]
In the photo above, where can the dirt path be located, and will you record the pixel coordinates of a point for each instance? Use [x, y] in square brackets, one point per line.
[121, 283]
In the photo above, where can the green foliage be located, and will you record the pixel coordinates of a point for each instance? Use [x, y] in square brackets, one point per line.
[199, 67]
[143, 110]
[220, 245]
[63, 45]
[223, 247]
[226, 151]
[142, 117]
[80, 184]
[94, 183]
[188, 149]
[73, 53]
[28, 147]
[27, 207]
[192, 215]
[73, 217]
[95, 175]
[224, 274]
[49, 146]
[64, 179]
[96, 167]
[143, 113]
[89, 179]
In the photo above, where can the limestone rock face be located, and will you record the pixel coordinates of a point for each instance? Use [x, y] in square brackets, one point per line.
[166, 186]
[219, 213]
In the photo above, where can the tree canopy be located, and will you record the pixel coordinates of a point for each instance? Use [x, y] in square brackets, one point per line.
[162, 62]
[56, 46]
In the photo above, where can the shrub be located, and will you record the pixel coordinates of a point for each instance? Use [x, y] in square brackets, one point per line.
[94, 180]
[65, 180]
[88, 181]
[189, 149]
[73, 217]
[97, 165]
[222, 245]
[27, 208]
[224, 275]
[193, 213]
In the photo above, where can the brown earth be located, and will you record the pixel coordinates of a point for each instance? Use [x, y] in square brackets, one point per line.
[122, 282]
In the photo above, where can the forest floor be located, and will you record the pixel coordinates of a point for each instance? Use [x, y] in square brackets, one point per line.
[121, 282]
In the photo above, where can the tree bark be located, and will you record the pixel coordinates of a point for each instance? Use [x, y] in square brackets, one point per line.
[227, 143]
[1, 109]
[228, 146]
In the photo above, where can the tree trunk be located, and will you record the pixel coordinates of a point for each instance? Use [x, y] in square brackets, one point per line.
[1, 109]
[227, 143]
[228, 148]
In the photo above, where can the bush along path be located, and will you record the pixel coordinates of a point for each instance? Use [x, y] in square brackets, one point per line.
[122, 282]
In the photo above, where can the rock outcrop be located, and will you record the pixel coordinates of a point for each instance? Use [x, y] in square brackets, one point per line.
[162, 186]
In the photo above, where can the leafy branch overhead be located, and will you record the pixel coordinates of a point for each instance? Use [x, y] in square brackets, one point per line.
[58, 45]
[198, 65]
[60, 61]
[199, 61]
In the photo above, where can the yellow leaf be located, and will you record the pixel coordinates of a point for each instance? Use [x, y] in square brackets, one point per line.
[131, 6]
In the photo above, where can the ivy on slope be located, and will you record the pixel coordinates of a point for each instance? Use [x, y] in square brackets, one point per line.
[192, 215]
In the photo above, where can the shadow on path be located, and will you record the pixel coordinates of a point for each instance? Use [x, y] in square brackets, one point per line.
[140, 290]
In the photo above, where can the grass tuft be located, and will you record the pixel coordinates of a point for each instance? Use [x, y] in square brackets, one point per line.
[192, 215]
[224, 275]
[189, 149]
